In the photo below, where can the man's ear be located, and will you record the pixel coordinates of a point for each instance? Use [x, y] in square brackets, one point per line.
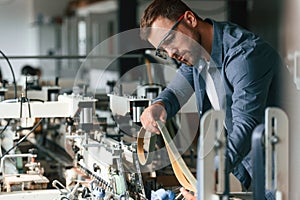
[190, 19]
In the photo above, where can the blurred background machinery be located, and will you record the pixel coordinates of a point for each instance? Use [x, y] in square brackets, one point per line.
[69, 119]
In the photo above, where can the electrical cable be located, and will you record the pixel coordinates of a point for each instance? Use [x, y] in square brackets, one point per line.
[38, 100]
[12, 72]
[5, 127]
[62, 198]
[14, 82]
[23, 138]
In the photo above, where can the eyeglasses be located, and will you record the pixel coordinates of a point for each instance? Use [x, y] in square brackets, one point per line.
[161, 52]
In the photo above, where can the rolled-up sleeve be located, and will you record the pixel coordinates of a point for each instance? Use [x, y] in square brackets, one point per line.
[178, 91]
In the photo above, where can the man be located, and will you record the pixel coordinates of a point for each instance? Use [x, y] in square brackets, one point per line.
[246, 64]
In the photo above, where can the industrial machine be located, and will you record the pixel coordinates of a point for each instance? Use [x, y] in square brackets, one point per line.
[269, 152]
[270, 149]
[101, 160]
[103, 156]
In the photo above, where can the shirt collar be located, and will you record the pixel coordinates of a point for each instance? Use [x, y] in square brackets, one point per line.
[217, 45]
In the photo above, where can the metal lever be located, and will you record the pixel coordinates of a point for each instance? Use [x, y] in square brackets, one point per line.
[258, 162]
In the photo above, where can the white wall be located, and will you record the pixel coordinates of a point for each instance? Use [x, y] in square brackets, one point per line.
[290, 43]
[17, 34]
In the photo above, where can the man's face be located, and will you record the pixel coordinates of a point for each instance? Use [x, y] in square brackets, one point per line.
[174, 39]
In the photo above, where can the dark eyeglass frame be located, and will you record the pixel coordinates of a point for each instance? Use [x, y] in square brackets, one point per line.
[161, 52]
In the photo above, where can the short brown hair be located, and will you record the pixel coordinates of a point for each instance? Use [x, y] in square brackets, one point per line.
[170, 9]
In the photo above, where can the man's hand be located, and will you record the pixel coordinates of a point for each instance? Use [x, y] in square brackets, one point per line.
[187, 195]
[151, 114]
